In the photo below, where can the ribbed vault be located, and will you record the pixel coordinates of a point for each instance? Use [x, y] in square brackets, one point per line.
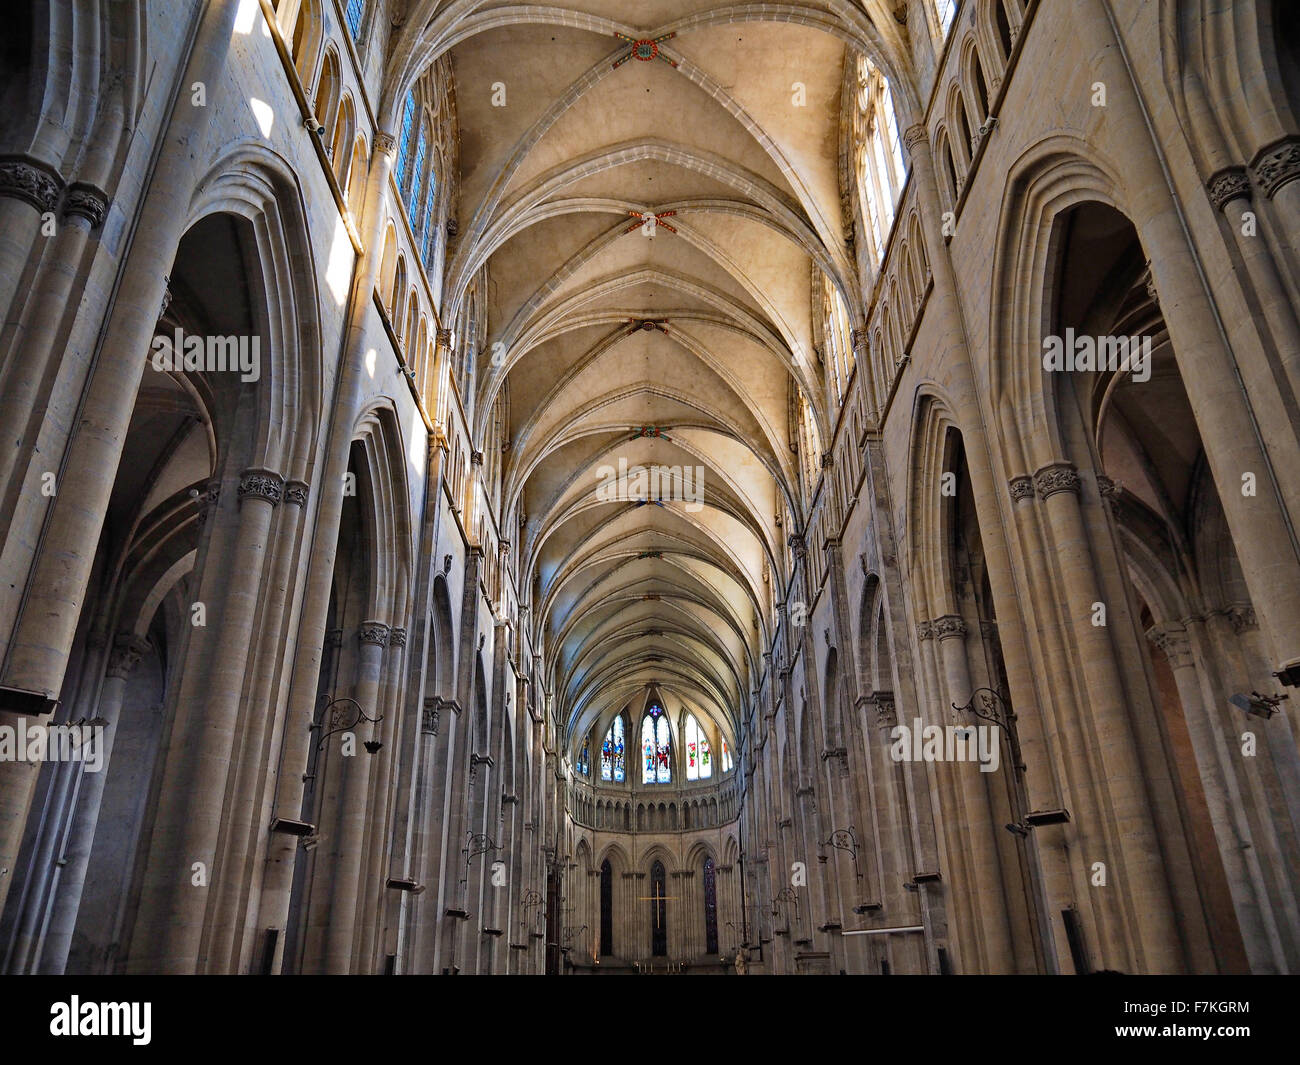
[610, 343]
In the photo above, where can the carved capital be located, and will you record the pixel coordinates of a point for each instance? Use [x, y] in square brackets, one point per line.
[296, 492]
[1277, 164]
[948, 626]
[1173, 643]
[799, 546]
[397, 638]
[1241, 618]
[22, 180]
[886, 712]
[261, 484]
[914, 136]
[1228, 184]
[375, 632]
[208, 500]
[1022, 487]
[85, 201]
[924, 630]
[127, 649]
[1056, 477]
[386, 143]
[431, 715]
[334, 638]
[444, 338]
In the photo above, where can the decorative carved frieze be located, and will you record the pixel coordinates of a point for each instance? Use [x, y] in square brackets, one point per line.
[261, 484]
[1022, 487]
[1277, 164]
[374, 632]
[948, 626]
[1056, 477]
[21, 180]
[1228, 184]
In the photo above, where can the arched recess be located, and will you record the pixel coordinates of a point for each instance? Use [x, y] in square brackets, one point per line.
[1186, 633]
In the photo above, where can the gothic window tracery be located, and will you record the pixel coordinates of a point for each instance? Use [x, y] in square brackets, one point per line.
[656, 747]
[612, 761]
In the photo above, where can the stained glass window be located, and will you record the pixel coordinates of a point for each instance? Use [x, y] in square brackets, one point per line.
[611, 752]
[417, 175]
[699, 759]
[726, 758]
[656, 749]
[584, 760]
[404, 141]
[356, 9]
[428, 215]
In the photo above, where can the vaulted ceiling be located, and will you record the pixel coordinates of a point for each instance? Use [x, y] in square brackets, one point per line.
[675, 347]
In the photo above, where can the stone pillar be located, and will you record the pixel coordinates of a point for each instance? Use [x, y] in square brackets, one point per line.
[127, 650]
[42, 638]
[282, 852]
[347, 852]
[173, 911]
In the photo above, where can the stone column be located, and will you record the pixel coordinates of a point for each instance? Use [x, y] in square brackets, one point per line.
[347, 856]
[42, 639]
[1151, 945]
[127, 651]
[282, 852]
[173, 911]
